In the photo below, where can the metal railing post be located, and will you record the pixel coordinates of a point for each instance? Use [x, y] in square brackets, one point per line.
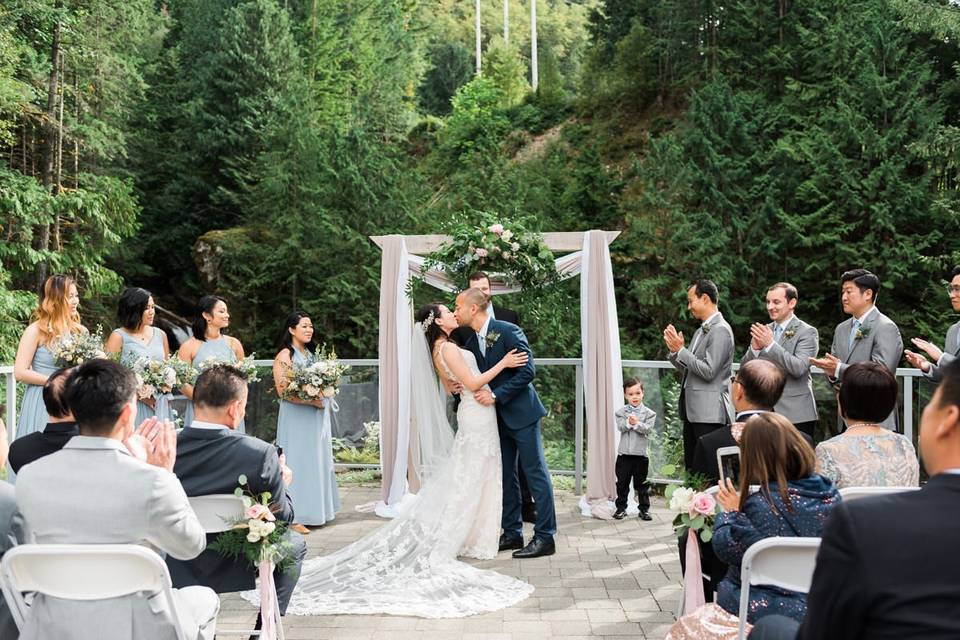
[578, 433]
[11, 405]
[908, 407]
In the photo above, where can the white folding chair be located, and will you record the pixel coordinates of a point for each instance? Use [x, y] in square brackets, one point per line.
[783, 562]
[216, 513]
[854, 493]
[83, 572]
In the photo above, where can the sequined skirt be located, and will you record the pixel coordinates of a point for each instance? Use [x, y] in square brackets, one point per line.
[709, 622]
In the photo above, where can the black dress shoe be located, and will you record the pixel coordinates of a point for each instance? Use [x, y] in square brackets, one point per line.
[644, 516]
[536, 548]
[620, 514]
[510, 542]
[529, 513]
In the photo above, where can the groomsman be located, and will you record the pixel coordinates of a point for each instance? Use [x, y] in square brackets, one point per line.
[867, 335]
[706, 366]
[788, 342]
[480, 280]
[951, 349]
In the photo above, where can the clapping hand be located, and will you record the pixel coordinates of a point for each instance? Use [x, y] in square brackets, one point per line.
[917, 361]
[728, 496]
[929, 348]
[761, 336]
[155, 443]
[673, 338]
[829, 363]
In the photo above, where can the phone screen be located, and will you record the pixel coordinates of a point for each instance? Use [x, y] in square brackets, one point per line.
[728, 460]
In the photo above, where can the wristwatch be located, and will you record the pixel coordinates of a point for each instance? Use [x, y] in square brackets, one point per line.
[493, 395]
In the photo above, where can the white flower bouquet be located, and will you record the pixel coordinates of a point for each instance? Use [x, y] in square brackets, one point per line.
[245, 367]
[155, 377]
[319, 378]
[76, 348]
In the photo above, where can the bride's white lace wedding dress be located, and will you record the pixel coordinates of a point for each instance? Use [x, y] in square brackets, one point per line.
[409, 566]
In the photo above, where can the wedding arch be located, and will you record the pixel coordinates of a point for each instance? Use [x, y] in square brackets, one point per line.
[588, 255]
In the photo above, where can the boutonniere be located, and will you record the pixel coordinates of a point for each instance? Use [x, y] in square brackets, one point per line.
[706, 329]
[789, 334]
[862, 333]
[491, 338]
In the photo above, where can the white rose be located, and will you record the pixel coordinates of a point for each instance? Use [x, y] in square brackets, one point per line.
[311, 391]
[253, 537]
[682, 500]
[170, 377]
[329, 392]
[506, 235]
[268, 528]
[146, 391]
[506, 255]
[515, 246]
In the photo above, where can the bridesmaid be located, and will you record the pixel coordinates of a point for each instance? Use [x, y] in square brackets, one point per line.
[304, 431]
[136, 338]
[209, 343]
[56, 315]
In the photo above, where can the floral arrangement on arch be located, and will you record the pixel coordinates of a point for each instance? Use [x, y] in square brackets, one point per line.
[482, 241]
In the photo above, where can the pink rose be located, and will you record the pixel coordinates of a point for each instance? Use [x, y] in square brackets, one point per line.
[496, 228]
[259, 512]
[703, 504]
[481, 253]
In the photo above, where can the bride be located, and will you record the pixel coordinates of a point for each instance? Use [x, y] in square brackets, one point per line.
[409, 566]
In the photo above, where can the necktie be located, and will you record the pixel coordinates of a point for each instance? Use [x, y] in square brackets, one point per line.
[853, 332]
[483, 344]
[777, 333]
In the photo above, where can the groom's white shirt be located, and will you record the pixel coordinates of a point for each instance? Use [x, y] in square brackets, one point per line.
[482, 336]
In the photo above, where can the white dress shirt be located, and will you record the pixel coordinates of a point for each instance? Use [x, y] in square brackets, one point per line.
[482, 336]
[200, 424]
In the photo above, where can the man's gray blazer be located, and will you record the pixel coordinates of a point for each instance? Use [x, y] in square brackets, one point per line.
[798, 343]
[879, 341]
[94, 492]
[706, 369]
[12, 532]
[951, 351]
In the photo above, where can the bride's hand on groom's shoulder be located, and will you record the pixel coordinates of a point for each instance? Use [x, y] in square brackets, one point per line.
[515, 358]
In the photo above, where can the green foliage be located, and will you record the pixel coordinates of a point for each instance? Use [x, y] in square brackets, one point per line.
[451, 68]
[504, 68]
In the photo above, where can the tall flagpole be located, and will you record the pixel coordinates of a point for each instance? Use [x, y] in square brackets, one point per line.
[477, 27]
[534, 80]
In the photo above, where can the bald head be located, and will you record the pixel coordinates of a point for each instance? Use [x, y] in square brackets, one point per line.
[760, 384]
[475, 296]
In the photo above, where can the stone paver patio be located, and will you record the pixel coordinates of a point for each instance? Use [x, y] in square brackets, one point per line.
[607, 579]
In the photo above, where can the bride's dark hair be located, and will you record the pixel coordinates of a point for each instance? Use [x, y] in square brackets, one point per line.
[433, 332]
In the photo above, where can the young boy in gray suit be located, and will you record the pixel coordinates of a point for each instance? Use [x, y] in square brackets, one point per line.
[634, 421]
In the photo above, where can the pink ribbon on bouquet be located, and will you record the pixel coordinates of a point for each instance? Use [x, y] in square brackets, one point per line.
[693, 597]
[268, 627]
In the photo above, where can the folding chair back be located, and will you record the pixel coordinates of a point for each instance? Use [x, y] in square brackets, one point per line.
[216, 512]
[854, 493]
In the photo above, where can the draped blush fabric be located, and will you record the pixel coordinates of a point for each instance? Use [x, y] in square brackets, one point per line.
[602, 373]
[394, 361]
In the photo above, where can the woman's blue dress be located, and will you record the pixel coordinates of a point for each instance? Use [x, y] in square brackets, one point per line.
[219, 351]
[133, 350]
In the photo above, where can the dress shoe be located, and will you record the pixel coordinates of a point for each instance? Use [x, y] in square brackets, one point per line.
[620, 514]
[510, 542]
[299, 528]
[529, 513]
[536, 548]
[644, 515]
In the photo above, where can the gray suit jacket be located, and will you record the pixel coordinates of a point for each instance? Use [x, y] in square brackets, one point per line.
[880, 342]
[951, 351]
[94, 492]
[799, 342]
[12, 532]
[706, 374]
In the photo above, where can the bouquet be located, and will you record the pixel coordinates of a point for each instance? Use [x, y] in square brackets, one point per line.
[245, 366]
[155, 377]
[76, 348]
[696, 511]
[258, 535]
[320, 377]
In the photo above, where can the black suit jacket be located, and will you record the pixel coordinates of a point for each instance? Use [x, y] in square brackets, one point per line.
[888, 567]
[34, 446]
[210, 461]
[705, 453]
[462, 334]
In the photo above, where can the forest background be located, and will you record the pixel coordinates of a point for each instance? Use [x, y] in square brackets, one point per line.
[249, 148]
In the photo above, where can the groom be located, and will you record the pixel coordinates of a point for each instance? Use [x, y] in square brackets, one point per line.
[518, 416]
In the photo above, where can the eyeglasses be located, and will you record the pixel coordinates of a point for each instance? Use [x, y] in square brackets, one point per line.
[734, 379]
[953, 289]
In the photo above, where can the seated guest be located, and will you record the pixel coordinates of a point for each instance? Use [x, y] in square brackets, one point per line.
[888, 567]
[219, 401]
[60, 425]
[867, 454]
[792, 501]
[111, 485]
[11, 531]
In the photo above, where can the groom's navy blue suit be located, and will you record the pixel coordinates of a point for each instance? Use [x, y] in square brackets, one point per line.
[519, 411]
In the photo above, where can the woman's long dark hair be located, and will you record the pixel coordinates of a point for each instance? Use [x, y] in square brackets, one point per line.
[133, 302]
[206, 305]
[286, 340]
[433, 332]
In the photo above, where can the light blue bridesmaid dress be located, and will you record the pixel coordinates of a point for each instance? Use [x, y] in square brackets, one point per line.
[220, 351]
[304, 432]
[33, 414]
[131, 351]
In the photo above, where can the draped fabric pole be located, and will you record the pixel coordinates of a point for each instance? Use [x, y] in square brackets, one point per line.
[602, 374]
[394, 387]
